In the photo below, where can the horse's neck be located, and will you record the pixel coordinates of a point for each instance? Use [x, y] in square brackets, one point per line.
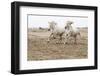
[70, 27]
[52, 27]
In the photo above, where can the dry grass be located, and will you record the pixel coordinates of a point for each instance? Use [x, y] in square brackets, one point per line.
[39, 49]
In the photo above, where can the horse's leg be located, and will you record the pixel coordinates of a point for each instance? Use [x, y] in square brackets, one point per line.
[65, 41]
[79, 34]
[66, 37]
[50, 37]
[75, 39]
[60, 39]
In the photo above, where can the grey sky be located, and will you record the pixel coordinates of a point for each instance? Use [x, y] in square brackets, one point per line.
[42, 21]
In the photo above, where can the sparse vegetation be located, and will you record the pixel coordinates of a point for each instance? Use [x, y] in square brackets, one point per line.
[39, 49]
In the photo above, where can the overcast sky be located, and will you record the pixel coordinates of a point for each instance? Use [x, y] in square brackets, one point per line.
[42, 21]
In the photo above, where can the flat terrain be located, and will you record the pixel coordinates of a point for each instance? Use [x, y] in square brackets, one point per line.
[39, 49]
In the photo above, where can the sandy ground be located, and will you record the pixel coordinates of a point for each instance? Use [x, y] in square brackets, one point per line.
[39, 49]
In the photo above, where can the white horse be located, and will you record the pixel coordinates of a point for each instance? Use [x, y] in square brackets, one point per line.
[56, 32]
[71, 31]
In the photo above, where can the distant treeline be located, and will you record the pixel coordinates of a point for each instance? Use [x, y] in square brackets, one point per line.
[39, 29]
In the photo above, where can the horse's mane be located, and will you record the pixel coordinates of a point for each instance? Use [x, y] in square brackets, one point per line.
[68, 27]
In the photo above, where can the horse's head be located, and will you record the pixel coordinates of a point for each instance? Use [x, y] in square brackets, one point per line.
[52, 25]
[69, 22]
[68, 25]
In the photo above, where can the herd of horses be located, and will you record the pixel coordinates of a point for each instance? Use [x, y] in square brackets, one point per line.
[63, 33]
